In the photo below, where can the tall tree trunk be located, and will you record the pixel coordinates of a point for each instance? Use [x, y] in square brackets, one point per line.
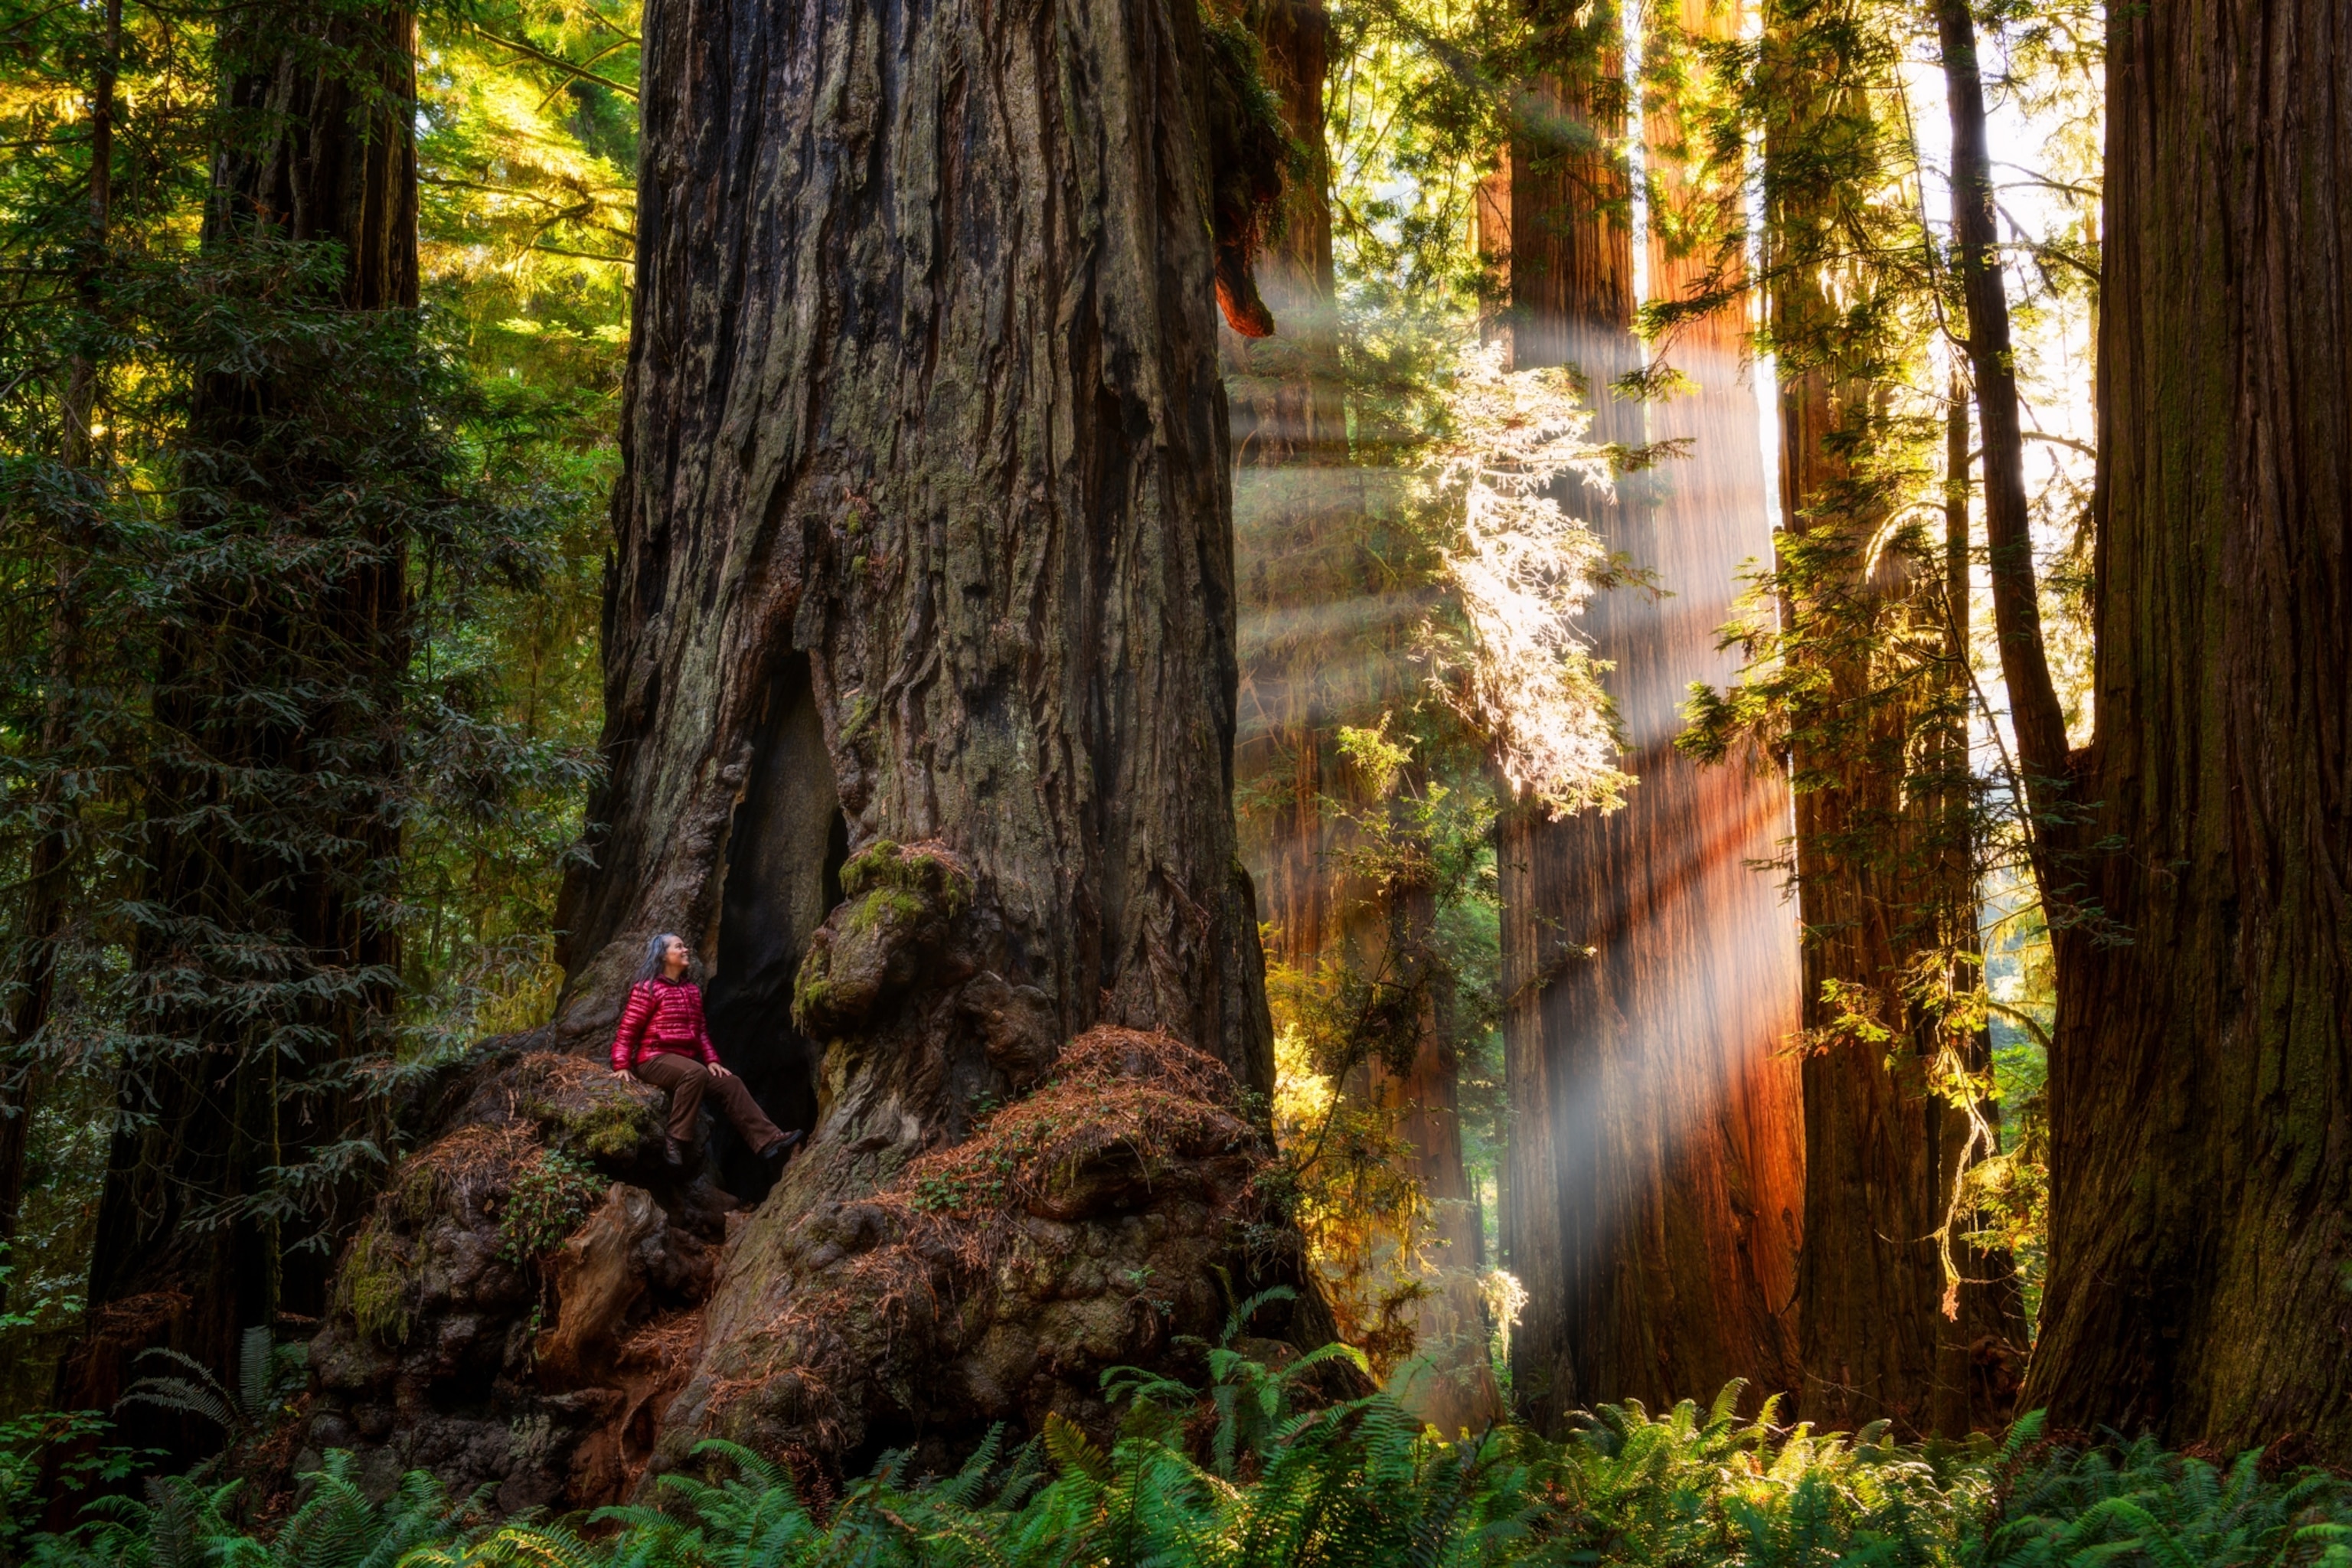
[1297, 519]
[1870, 1282]
[923, 432]
[214, 1108]
[1902, 1319]
[1985, 1330]
[1315, 655]
[2201, 1085]
[2034, 713]
[1655, 1172]
[1882, 813]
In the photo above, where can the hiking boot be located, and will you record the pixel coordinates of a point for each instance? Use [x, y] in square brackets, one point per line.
[673, 1153]
[782, 1146]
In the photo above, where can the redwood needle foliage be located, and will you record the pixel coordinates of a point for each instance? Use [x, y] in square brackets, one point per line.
[257, 671]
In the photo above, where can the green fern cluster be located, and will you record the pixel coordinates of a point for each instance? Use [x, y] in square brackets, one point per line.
[1347, 1485]
[183, 1525]
[2139, 1503]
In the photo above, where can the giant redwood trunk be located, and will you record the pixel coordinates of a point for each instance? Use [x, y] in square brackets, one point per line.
[1654, 1169]
[2200, 1088]
[920, 688]
[260, 970]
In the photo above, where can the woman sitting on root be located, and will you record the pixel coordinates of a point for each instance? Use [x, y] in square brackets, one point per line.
[663, 1041]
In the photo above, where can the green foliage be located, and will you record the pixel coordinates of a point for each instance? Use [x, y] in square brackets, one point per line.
[54, 1451]
[549, 1198]
[268, 1375]
[2141, 1504]
[1353, 1484]
[1251, 1401]
[183, 1525]
[163, 587]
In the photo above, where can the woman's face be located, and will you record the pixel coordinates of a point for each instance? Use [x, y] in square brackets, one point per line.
[676, 957]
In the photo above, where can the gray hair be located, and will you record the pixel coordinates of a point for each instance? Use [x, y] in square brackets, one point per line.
[652, 968]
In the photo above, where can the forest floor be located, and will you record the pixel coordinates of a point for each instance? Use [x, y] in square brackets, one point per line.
[1230, 1475]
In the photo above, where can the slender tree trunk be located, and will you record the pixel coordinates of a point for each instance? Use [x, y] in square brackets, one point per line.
[1449, 1381]
[923, 430]
[1985, 1330]
[208, 1115]
[2017, 610]
[1653, 1164]
[1450, 1385]
[2201, 1085]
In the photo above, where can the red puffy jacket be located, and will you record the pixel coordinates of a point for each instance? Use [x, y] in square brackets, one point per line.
[663, 1014]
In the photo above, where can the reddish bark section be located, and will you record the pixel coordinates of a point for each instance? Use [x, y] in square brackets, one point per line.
[1653, 1206]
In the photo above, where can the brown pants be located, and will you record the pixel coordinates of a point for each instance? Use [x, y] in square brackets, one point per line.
[688, 1081]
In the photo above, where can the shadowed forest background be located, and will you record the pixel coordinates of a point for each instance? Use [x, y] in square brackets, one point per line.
[1608, 705]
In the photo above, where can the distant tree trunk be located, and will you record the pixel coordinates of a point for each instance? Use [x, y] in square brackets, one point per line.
[924, 437]
[1298, 516]
[1887, 885]
[1654, 1171]
[1885, 868]
[1315, 656]
[2039, 725]
[1869, 1281]
[2201, 1085]
[217, 1107]
[1985, 1329]
[1451, 1382]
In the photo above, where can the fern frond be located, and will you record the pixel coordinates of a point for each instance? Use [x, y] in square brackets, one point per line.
[1072, 1449]
[2023, 1432]
[257, 1368]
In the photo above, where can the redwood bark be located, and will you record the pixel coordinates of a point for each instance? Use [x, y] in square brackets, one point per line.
[1885, 871]
[2201, 1086]
[1879, 894]
[1885, 885]
[1654, 1212]
[335, 164]
[923, 401]
[920, 394]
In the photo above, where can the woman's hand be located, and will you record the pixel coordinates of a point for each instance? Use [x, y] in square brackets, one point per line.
[717, 1071]
[622, 1072]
